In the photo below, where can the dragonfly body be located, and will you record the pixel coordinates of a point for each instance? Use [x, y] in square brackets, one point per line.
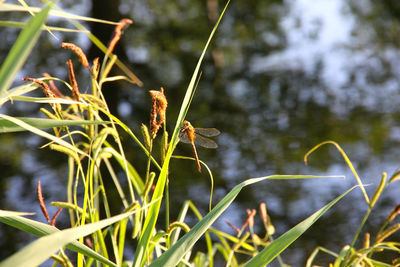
[195, 136]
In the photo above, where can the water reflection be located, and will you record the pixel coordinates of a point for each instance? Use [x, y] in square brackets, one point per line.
[281, 76]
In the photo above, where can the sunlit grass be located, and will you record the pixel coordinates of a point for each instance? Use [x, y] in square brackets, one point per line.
[97, 236]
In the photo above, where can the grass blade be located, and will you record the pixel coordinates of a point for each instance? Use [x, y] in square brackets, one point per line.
[152, 215]
[40, 250]
[7, 126]
[172, 256]
[13, 213]
[12, 7]
[21, 49]
[275, 248]
[42, 133]
[41, 229]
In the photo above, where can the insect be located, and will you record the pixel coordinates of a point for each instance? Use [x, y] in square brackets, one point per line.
[195, 136]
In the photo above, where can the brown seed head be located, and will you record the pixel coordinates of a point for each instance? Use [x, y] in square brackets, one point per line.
[78, 51]
[233, 227]
[41, 202]
[72, 81]
[95, 68]
[53, 87]
[251, 214]
[118, 31]
[46, 90]
[159, 107]
[250, 218]
[88, 242]
[393, 214]
[263, 212]
[53, 220]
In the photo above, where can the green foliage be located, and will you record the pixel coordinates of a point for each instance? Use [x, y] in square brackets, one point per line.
[21, 49]
[94, 149]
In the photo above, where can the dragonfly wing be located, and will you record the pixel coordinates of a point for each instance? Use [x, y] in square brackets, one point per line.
[207, 131]
[205, 142]
[183, 137]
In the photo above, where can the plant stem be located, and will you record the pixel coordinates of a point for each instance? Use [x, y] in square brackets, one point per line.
[356, 235]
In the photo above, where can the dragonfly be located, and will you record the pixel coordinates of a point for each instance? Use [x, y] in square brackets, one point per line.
[195, 136]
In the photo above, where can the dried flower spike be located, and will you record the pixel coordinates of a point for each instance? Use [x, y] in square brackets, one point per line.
[251, 214]
[72, 81]
[250, 218]
[393, 214]
[159, 107]
[78, 51]
[46, 90]
[41, 202]
[53, 87]
[233, 227]
[95, 68]
[53, 220]
[263, 212]
[119, 29]
[88, 242]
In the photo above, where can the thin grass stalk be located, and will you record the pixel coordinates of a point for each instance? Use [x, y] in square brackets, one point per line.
[344, 155]
[108, 215]
[207, 234]
[115, 248]
[166, 185]
[148, 169]
[134, 176]
[209, 251]
[346, 258]
[101, 242]
[131, 134]
[150, 221]
[121, 239]
[100, 189]
[149, 160]
[79, 171]
[271, 239]
[83, 219]
[116, 183]
[118, 140]
[120, 147]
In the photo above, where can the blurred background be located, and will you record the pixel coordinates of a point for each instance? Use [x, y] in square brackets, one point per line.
[279, 78]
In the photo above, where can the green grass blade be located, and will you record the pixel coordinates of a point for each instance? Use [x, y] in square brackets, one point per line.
[172, 256]
[151, 218]
[7, 126]
[19, 90]
[21, 49]
[13, 213]
[42, 133]
[40, 250]
[275, 248]
[135, 177]
[348, 162]
[17, 24]
[13, 7]
[41, 229]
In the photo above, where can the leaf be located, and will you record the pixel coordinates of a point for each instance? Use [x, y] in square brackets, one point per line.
[41, 249]
[7, 126]
[41, 133]
[152, 215]
[13, 213]
[12, 7]
[172, 256]
[41, 229]
[275, 248]
[21, 49]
